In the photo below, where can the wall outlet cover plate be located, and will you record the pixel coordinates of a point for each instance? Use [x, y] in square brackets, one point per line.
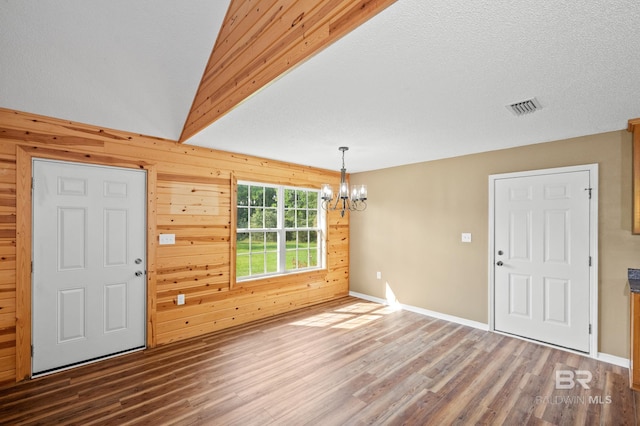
[167, 239]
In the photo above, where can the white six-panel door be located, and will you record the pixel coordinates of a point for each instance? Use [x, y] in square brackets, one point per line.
[542, 263]
[89, 286]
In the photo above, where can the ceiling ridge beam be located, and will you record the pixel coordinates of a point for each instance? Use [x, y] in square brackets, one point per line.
[250, 59]
[267, 45]
[235, 34]
[243, 49]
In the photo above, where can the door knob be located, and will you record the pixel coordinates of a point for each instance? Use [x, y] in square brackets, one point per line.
[499, 263]
[138, 273]
[500, 252]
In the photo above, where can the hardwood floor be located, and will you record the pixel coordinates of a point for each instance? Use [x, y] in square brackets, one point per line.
[344, 362]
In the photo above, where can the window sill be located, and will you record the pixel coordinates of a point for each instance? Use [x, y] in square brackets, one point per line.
[281, 278]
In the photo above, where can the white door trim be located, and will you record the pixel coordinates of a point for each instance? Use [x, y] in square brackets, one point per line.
[593, 243]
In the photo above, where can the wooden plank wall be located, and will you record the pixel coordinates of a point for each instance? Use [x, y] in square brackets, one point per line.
[7, 262]
[192, 195]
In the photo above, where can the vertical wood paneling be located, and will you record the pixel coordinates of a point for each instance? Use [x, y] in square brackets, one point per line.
[152, 238]
[23, 265]
[7, 243]
[233, 236]
[190, 194]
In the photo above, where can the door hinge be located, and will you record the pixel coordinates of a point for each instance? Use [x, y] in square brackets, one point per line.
[589, 328]
[32, 266]
[589, 260]
[31, 351]
[589, 189]
[33, 183]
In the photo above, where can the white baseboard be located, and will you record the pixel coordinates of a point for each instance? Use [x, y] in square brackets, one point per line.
[611, 359]
[426, 312]
[367, 297]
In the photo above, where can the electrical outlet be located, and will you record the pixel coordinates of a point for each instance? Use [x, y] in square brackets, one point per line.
[167, 239]
[180, 299]
[466, 237]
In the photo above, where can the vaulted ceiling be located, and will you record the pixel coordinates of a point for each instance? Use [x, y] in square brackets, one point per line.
[417, 81]
[261, 40]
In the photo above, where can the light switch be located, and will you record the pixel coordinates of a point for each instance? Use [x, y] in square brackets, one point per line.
[167, 239]
[180, 299]
[466, 237]
[379, 275]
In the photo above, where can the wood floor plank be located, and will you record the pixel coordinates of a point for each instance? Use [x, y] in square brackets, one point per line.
[616, 387]
[347, 361]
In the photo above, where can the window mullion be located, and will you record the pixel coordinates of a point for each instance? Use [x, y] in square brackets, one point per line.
[322, 235]
[282, 241]
[250, 252]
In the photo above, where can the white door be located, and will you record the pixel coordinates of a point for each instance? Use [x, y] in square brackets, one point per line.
[89, 240]
[542, 263]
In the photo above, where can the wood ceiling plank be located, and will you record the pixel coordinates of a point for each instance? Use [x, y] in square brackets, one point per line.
[243, 47]
[268, 35]
[298, 43]
[261, 40]
[236, 34]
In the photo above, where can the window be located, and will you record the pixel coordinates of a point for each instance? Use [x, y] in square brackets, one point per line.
[279, 230]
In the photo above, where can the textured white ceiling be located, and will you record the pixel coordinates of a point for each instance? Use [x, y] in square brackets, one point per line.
[420, 81]
[427, 80]
[127, 65]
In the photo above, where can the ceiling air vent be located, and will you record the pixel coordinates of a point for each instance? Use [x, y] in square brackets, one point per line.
[524, 107]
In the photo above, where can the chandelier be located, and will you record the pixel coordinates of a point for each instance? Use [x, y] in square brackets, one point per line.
[356, 200]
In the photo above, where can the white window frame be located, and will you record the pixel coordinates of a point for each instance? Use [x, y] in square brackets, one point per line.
[281, 232]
